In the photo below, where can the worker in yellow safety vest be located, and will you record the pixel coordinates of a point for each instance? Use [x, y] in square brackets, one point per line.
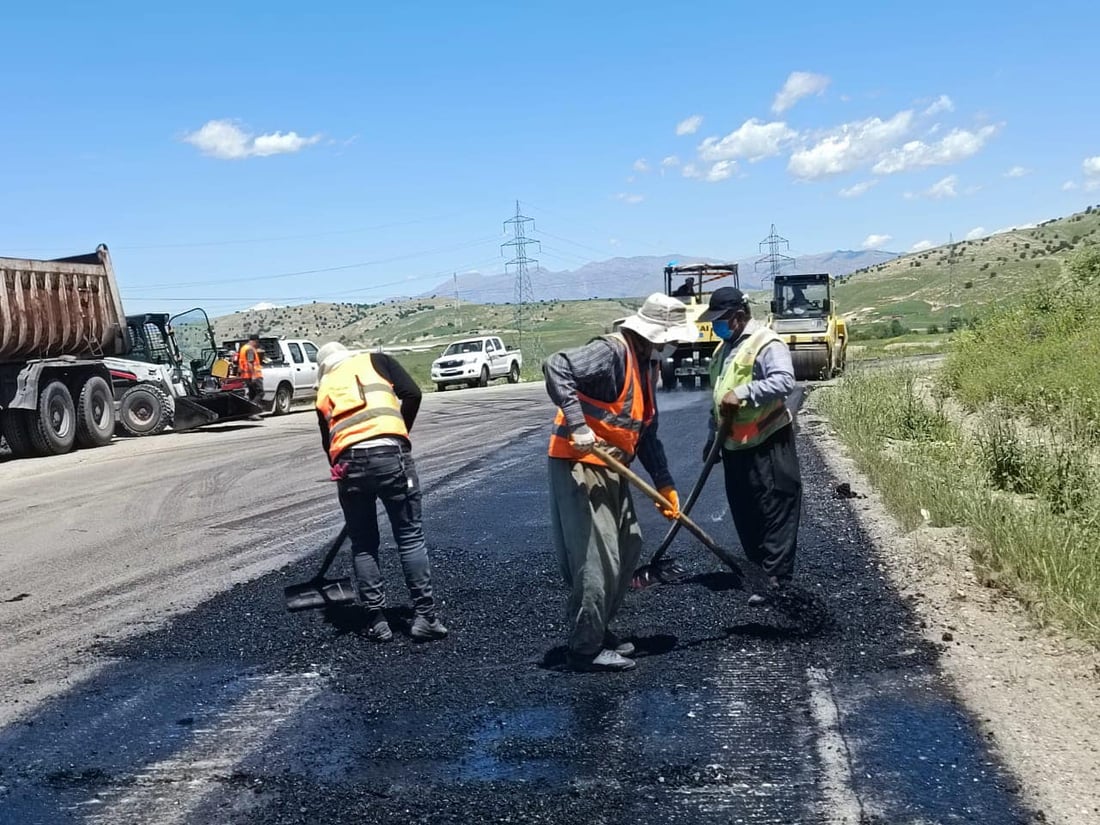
[366, 405]
[250, 367]
[604, 391]
[751, 377]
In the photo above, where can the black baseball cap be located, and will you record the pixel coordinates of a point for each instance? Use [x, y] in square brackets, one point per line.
[722, 301]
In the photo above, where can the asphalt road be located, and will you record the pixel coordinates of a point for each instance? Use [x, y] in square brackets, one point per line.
[148, 672]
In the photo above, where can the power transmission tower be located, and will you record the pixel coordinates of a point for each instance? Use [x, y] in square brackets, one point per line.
[458, 317]
[774, 260]
[524, 294]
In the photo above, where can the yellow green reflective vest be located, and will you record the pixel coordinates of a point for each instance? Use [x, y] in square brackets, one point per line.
[751, 425]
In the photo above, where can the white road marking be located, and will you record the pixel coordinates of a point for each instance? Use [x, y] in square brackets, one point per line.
[844, 807]
[168, 791]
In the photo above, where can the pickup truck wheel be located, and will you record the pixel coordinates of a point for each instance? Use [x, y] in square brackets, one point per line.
[513, 373]
[95, 413]
[16, 433]
[483, 379]
[53, 429]
[282, 400]
[143, 410]
[440, 386]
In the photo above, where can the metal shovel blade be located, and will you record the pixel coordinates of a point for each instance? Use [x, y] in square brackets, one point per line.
[318, 593]
[662, 571]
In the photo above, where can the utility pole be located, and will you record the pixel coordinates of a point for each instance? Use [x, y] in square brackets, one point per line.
[524, 293]
[774, 260]
[458, 319]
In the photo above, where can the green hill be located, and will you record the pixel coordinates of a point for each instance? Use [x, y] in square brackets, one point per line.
[957, 280]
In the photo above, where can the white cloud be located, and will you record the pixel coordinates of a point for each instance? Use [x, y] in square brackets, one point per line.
[943, 188]
[753, 140]
[956, 145]
[798, 86]
[920, 246]
[260, 307]
[721, 170]
[690, 171]
[1017, 172]
[876, 241]
[1091, 166]
[1013, 228]
[670, 161]
[941, 104]
[226, 140]
[613, 241]
[1069, 186]
[641, 165]
[975, 233]
[689, 125]
[849, 146]
[857, 189]
[629, 197]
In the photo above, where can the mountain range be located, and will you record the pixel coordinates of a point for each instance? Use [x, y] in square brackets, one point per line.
[636, 276]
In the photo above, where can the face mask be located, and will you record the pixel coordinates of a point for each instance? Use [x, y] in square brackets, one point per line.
[722, 329]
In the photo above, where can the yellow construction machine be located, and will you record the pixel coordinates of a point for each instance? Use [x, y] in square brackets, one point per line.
[804, 314]
[689, 365]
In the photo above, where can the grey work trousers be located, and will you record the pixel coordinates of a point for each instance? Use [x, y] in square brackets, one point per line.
[598, 541]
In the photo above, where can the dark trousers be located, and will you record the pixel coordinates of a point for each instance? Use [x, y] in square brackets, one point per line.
[256, 390]
[389, 474]
[764, 491]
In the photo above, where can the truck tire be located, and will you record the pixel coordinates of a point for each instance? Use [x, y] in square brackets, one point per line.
[281, 405]
[144, 409]
[14, 425]
[53, 426]
[95, 413]
[483, 379]
[440, 386]
[513, 373]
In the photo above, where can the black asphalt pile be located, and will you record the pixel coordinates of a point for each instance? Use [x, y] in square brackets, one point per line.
[488, 725]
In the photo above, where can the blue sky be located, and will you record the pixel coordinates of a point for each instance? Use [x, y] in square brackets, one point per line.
[228, 154]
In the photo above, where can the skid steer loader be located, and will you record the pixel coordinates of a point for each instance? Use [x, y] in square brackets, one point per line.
[166, 379]
[803, 313]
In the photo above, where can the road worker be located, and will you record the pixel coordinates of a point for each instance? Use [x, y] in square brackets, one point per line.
[366, 405]
[752, 375]
[605, 392]
[250, 367]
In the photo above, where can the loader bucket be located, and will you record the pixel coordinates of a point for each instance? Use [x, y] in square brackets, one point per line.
[199, 410]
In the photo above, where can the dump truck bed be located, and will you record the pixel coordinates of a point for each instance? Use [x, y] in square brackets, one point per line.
[67, 306]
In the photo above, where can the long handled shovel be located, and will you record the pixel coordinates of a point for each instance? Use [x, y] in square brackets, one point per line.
[319, 591]
[660, 570]
[798, 604]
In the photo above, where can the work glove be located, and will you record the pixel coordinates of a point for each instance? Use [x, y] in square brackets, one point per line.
[730, 404]
[583, 439]
[339, 472]
[673, 499]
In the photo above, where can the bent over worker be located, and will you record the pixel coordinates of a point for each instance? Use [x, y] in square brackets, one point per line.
[752, 375]
[605, 391]
[250, 367]
[366, 406]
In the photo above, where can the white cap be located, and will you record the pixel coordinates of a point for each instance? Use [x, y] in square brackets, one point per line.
[329, 355]
[661, 320]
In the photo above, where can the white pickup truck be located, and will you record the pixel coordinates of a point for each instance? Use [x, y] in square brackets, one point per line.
[475, 362]
[290, 371]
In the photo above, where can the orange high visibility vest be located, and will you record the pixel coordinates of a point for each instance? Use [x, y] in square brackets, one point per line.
[358, 404]
[247, 369]
[619, 422]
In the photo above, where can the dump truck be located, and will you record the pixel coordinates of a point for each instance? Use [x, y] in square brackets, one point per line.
[804, 315]
[58, 320]
[689, 364]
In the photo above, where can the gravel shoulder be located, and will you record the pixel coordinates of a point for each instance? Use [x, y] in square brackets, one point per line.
[1034, 691]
